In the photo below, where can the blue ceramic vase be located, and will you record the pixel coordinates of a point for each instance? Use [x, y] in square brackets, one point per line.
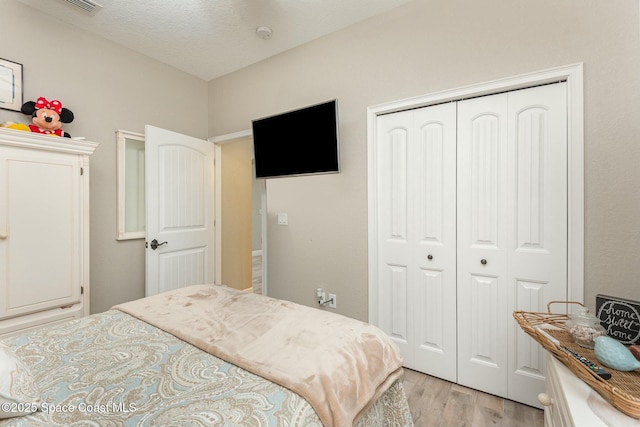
[613, 354]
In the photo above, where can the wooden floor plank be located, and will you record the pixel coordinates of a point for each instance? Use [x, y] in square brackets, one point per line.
[459, 410]
[438, 403]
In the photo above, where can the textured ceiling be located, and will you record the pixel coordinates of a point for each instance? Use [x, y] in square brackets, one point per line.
[209, 38]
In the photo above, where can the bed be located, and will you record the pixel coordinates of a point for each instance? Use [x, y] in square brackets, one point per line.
[204, 355]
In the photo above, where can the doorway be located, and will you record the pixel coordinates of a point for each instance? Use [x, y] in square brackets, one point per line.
[240, 214]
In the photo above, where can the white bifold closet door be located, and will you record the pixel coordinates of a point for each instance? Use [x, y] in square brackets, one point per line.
[417, 236]
[472, 212]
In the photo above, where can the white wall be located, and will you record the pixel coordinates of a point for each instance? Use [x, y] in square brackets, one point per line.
[425, 47]
[108, 87]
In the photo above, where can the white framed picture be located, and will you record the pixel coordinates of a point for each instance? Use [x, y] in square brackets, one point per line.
[10, 85]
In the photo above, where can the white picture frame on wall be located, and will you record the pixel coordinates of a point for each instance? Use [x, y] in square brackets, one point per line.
[10, 85]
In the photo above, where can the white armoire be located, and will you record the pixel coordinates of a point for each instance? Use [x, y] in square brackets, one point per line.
[44, 229]
[471, 217]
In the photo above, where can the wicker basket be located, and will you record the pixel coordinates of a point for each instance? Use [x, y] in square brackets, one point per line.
[622, 390]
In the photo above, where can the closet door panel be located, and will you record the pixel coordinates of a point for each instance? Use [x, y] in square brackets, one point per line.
[537, 224]
[416, 236]
[482, 253]
[434, 192]
[395, 235]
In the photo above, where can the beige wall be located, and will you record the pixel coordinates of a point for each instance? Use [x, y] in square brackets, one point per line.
[420, 48]
[424, 47]
[236, 208]
[108, 87]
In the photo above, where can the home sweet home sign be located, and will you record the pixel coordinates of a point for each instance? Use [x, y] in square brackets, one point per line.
[620, 317]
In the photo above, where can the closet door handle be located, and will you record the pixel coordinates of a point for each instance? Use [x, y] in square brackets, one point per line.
[429, 257]
[483, 261]
[3, 236]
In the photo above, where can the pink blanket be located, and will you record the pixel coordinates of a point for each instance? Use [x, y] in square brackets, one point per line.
[339, 365]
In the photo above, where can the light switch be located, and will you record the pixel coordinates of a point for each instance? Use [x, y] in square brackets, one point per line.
[283, 219]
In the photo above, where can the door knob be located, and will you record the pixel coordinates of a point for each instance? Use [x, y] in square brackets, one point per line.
[483, 261]
[545, 399]
[155, 244]
[429, 257]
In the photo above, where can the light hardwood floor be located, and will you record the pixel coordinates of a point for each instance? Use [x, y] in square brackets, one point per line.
[437, 403]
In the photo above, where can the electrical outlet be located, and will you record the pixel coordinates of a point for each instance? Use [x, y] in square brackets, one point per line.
[332, 301]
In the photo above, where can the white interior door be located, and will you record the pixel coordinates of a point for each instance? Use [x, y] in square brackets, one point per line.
[466, 237]
[512, 233]
[434, 238]
[482, 240]
[538, 234]
[395, 251]
[417, 236]
[180, 210]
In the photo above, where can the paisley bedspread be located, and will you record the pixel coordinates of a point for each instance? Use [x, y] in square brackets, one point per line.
[111, 369]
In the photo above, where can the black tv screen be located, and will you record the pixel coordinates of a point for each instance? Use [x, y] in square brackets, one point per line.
[298, 142]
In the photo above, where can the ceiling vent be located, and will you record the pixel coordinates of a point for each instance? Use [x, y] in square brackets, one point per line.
[85, 6]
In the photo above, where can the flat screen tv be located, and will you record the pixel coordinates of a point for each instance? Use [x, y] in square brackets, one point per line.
[299, 142]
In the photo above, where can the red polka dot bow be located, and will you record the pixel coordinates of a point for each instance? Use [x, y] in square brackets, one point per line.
[54, 104]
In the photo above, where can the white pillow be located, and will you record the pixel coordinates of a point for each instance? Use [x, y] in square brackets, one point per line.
[19, 393]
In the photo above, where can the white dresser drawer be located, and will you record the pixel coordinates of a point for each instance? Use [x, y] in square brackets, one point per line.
[556, 411]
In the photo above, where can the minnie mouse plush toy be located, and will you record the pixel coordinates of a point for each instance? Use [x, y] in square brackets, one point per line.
[48, 116]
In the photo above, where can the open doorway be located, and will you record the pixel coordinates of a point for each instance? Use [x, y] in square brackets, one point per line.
[240, 210]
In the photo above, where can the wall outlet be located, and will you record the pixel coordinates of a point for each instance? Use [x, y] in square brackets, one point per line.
[332, 301]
